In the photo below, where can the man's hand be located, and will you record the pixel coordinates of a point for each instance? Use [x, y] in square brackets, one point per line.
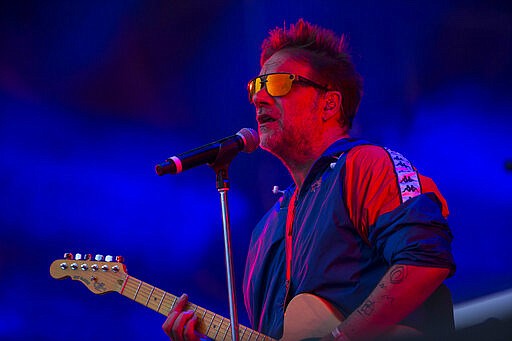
[181, 325]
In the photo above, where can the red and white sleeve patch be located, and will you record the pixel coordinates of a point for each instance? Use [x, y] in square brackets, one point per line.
[407, 177]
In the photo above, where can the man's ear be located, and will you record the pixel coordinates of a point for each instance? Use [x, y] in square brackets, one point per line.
[332, 105]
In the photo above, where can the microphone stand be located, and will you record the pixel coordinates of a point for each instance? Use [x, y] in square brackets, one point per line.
[220, 166]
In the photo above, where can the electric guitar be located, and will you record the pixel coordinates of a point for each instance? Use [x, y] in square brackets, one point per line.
[306, 317]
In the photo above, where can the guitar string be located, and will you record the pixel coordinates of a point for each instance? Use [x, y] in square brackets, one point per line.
[135, 288]
[149, 290]
[207, 315]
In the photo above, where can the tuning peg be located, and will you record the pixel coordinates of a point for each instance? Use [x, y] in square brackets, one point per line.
[78, 256]
[68, 255]
[98, 258]
[87, 256]
[108, 258]
[119, 259]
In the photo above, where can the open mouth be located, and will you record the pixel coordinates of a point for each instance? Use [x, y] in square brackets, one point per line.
[264, 118]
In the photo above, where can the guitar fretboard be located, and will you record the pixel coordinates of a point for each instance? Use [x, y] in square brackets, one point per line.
[210, 324]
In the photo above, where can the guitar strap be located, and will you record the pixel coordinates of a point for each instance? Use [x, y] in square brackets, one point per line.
[288, 243]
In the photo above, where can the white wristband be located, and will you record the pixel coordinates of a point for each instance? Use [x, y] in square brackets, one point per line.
[339, 335]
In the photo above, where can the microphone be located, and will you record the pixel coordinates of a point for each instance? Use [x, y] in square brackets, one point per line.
[246, 140]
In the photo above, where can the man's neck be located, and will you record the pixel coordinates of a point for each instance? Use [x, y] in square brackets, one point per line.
[299, 171]
[299, 167]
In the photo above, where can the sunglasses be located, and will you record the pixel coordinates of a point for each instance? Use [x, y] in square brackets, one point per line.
[278, 84]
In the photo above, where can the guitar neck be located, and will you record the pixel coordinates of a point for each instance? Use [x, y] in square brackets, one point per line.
[210, 324]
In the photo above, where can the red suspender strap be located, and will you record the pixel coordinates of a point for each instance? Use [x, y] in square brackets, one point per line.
[288, 240]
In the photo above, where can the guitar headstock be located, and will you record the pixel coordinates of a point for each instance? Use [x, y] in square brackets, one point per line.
[101, 275]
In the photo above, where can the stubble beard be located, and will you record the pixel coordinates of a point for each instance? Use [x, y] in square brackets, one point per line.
[286, 144]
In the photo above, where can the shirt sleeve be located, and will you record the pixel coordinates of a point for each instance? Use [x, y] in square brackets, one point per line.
[395, 209]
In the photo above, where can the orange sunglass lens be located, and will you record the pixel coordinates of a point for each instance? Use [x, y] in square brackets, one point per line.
[279, 84]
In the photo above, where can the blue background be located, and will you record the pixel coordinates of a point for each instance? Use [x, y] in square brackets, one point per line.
[93, 94]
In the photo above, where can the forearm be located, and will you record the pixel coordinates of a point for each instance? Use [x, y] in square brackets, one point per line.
[401, 290]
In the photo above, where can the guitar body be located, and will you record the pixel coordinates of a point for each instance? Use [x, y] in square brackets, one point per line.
[309, 317]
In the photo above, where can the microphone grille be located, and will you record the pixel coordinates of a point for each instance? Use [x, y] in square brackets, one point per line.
[251, 139]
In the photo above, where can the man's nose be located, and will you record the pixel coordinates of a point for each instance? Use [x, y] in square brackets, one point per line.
[261, 97]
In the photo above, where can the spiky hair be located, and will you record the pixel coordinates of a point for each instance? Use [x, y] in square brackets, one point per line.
[328, 55]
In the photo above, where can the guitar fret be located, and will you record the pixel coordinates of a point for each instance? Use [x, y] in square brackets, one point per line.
[210, 325]
[202, 324]
[227, 329]
[173, 303]
[250, 335]
[127, 291]
[221, 320]
[218, 329]
[149, 296]
[243, 330]
[144, 293]
[154, 301]
[201, 314]
[124, 284]
[161, 300]
[137, 291]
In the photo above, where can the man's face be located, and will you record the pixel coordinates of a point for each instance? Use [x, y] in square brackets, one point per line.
[288, 125]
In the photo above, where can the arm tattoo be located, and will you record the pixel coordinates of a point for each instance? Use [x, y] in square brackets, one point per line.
[367, 308]
[398, 274]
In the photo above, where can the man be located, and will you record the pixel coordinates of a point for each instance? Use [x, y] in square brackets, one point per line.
[359, 229]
